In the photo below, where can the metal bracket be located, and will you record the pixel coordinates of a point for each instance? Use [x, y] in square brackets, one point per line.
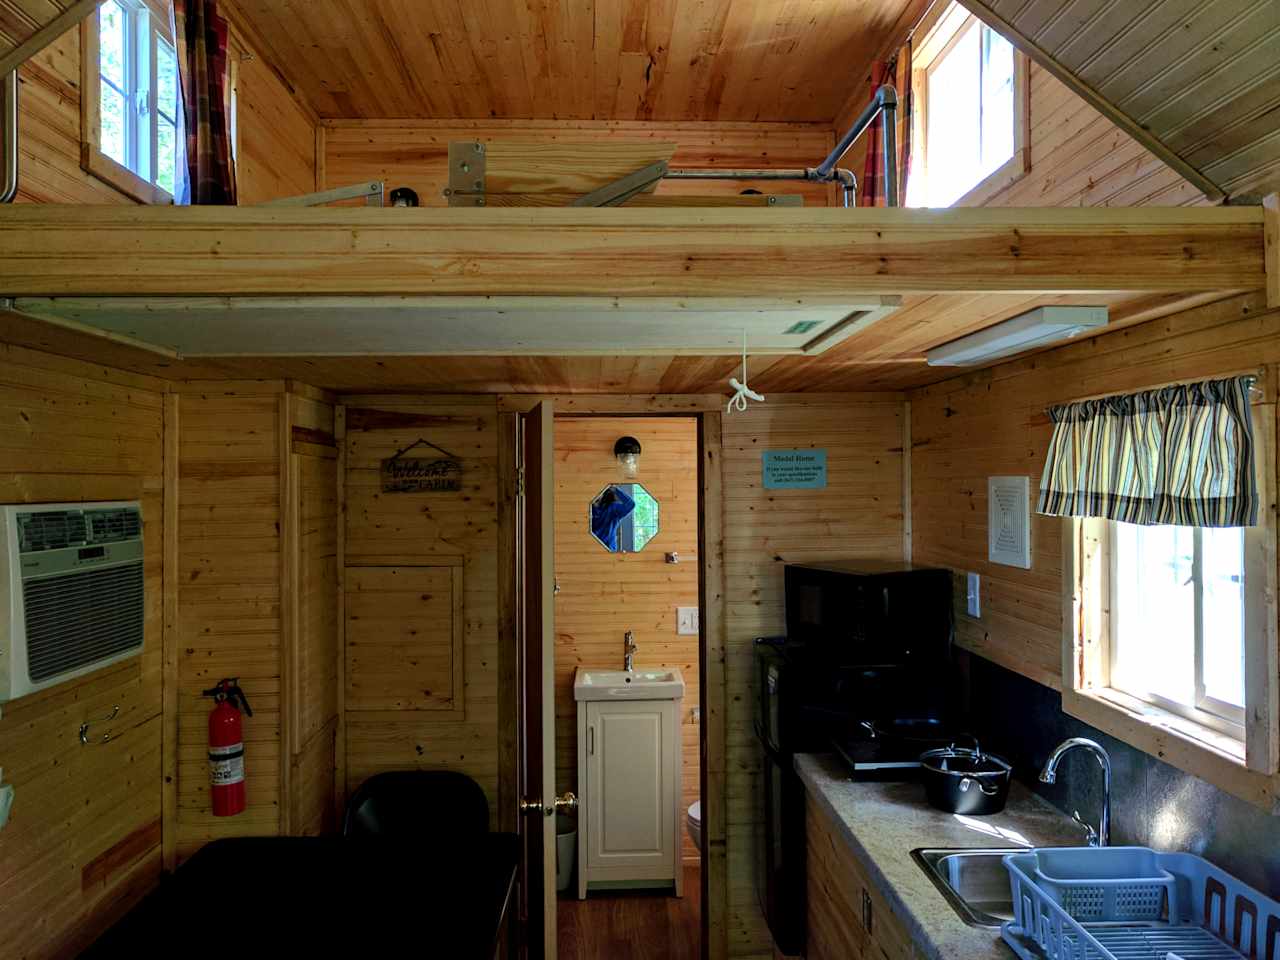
[466, 174]
[372, 192]
[619, 191]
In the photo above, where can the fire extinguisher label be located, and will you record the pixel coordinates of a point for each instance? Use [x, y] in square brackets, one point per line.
[226, 765]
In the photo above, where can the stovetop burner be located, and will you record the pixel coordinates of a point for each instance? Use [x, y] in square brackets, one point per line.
[891, 750]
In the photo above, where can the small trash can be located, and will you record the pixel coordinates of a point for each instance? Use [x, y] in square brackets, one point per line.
[566, 850]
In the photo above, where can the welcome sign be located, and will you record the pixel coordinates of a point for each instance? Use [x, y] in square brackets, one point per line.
[795, 469]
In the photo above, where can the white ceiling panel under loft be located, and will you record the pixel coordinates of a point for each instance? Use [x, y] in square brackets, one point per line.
[461, 326]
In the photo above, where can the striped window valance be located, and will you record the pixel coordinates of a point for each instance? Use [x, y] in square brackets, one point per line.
[1178, 455]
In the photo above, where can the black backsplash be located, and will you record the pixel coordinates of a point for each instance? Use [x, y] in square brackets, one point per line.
[1152, 804]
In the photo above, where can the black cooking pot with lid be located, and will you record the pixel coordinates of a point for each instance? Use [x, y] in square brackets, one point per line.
[965, 780]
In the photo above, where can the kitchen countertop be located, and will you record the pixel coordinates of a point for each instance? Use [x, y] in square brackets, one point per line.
[884, 822]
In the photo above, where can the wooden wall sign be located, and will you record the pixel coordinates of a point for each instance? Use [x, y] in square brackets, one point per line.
[401, 474]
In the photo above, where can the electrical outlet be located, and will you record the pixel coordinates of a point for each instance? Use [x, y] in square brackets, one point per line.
[687, 621]
[973, 598]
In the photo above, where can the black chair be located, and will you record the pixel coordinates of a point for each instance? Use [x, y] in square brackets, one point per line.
[418, 805]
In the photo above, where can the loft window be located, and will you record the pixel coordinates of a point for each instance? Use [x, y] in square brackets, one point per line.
[969, 87]
[131, 88]
[1178, 620]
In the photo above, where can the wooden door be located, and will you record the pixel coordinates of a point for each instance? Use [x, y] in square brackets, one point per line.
[535, 568]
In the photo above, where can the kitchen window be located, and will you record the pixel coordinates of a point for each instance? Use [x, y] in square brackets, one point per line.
[130, 99]
[969, 87]
[1170, 636]
[1178, 620]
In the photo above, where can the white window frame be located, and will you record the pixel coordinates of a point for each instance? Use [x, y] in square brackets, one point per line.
[1226, 718]
[1240, 759]
[131, 177]
[940, 38]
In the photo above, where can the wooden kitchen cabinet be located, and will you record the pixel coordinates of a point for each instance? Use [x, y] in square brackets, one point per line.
[629, 778]
[847, 918]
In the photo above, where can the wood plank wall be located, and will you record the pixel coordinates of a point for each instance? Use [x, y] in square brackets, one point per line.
[83, 839]
[993, 423]
[276, 133]
[229, 599]
[414, 153]
[403, 529]
[603, 595]
[1078, 158]
[859, 514]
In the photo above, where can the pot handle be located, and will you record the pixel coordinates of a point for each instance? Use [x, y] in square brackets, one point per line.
[967, 782]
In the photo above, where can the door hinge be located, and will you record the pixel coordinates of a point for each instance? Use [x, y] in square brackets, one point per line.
[519, 481]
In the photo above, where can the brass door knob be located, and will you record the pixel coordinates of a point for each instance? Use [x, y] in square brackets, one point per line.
[561, 804]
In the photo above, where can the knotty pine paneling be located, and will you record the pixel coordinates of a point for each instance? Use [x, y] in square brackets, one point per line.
[1079, 158]
[993, 422]
[229, 596]
[603, 595]
[400, 529]
[859, 514]
[72, 432]
[415, 153]
[276, 135]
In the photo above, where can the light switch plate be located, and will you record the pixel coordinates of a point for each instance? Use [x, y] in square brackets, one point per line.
[6, 803]
[687, 621]
[973, 599]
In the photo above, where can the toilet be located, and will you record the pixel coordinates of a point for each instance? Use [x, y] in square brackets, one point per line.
[693, 822]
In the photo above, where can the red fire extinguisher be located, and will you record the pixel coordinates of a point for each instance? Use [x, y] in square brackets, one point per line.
[226, 747]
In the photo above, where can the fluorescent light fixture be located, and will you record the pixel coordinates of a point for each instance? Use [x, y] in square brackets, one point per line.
[1027, 331]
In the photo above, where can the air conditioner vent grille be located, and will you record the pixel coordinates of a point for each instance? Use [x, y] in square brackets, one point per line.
[51, 530]
[80, 618]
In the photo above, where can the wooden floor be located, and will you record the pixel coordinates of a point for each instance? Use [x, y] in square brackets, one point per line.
[633, 925]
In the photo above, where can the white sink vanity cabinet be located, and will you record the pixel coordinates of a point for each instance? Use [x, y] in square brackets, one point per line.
[629, 819]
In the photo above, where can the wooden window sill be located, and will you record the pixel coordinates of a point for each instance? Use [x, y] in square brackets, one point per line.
[1005, 176]
[1178, 741]
[97, 163]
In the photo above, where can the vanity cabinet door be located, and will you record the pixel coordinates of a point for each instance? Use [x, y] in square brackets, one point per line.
[631, 789]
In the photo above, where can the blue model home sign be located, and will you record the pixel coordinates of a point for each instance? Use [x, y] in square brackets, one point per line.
[795, 469]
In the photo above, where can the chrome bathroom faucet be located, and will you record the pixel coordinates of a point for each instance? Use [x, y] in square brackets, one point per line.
[1049, 774]
[629, 652]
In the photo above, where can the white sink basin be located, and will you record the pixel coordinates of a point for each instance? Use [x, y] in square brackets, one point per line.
[628, 685]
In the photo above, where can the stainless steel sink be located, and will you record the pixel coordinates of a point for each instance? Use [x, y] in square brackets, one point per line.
[974, 882]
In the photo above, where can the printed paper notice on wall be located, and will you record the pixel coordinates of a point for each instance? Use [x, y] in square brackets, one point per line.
[795, 469]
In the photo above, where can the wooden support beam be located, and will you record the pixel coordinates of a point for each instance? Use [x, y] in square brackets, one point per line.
[48, 250]
[986, 13]
[10, 60]
[1271, 228]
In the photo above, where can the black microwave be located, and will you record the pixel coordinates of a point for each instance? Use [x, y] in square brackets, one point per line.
[860, 613]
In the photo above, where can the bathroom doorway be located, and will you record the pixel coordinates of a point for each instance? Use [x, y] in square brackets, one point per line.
[628, 581]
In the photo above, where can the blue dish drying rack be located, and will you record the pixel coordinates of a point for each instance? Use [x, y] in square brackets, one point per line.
[1132, 903]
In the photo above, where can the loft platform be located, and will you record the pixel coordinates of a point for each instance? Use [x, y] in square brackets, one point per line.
[625, 253]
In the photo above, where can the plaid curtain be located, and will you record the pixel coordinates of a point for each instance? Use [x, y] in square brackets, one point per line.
[871, 189]
[906, 106]
[1178, 455]
[200, 35]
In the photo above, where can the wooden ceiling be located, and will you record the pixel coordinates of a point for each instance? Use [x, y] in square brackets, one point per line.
[719, 60]
[1197, 81]
[886, 356]
[27, 26]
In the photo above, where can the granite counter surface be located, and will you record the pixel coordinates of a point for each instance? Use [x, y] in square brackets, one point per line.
[884, 822]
